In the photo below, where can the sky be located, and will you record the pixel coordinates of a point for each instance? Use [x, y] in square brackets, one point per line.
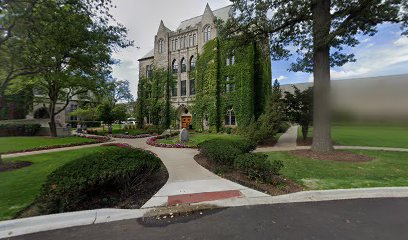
[384, 54]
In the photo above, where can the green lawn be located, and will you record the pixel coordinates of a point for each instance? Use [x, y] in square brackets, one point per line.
[197, 138]
[388, 169]
[19, 188]
[373, 136]
[8, 144]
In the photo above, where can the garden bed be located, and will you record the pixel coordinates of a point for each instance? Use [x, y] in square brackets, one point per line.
[121, 177]
[154, 141]
[10, 166]
[126, 136]
[97, 139]
[279, 186]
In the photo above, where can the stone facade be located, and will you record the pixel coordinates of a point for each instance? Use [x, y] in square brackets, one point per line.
[177, 51]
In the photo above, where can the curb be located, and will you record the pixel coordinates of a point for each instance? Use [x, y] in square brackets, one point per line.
[12, 228]
[17, 227]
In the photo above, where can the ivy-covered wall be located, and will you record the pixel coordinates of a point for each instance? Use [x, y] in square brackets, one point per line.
[241, 83]
[231, 77]
[153, 102]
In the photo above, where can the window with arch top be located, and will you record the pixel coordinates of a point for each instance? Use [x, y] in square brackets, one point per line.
[183, 65]
[230, 118]
[174, 66]
[207, 33]
[192, 63]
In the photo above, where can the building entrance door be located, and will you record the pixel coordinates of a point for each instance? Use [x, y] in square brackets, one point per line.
[185, 121]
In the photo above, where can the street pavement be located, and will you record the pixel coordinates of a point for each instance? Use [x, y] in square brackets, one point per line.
[344, 219]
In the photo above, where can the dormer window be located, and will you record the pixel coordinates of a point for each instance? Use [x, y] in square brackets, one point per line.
[207, 33]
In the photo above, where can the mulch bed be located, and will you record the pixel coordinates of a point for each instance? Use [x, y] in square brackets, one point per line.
[281, 185]
[307, 142]
[268, 143]
[133, 198]
[338, 156]
[10, 166]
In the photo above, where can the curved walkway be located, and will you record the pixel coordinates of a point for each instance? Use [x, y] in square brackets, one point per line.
[188, 181]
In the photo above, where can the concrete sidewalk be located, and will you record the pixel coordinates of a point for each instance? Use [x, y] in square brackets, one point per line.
[187, 177]
[288, 139]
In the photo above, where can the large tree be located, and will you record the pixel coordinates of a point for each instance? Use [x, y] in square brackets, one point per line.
[318, 30]
[72, 48]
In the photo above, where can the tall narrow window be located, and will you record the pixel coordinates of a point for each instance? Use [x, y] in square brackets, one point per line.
[194, 39]
[192, 87]
[233, 57]
[175, 44]
[175, 66]
[183, 88]
[172, 44]
[161, 46]
[174, 89]
[192, 63]
[230, 118]
[149, 71]
[190, 41]
[185, 42]
[183, 65]
[207, 33]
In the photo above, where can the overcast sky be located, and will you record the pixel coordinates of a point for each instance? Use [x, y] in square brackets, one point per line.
[384, 54]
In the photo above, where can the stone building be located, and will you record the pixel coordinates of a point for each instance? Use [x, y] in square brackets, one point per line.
[178, 52]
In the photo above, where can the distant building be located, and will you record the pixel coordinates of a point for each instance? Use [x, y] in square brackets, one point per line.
[370, 98]
[237, 95]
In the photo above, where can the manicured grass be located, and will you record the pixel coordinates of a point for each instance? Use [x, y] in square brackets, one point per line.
[197, 138]
[19, 188]
[373, 136]
[388, 169]
[8, 144]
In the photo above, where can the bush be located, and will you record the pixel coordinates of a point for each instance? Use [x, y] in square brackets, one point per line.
[224, 151]
[257, 166]
[18, 129]
[89, 124]
[93, 179]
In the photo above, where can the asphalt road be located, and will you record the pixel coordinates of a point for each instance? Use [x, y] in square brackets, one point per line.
[348, 219]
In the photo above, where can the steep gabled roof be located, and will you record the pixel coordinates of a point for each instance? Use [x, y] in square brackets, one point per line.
[150, 54]
[222, 13]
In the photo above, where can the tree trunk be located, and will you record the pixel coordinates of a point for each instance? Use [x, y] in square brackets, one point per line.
[52, 124]
[321, 70]
[305, 131]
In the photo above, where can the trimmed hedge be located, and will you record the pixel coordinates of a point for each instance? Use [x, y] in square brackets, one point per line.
[257, 166]
[225, 152]
[91, 179]
[19, 129]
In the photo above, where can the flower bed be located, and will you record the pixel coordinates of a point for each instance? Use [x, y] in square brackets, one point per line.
[98, 139]
[153, 141]
[131, 136]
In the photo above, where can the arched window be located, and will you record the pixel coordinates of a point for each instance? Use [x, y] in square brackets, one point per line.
[174, 66]
[230, 118]
[192, 63]
[183, 65]
[161, 46]
[207, 33]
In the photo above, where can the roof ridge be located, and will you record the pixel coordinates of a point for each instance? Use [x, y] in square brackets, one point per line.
[202, 14]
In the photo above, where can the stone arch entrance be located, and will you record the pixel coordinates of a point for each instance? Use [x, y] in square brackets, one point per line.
[184, 117]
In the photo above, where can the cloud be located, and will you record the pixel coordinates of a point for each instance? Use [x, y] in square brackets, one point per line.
[380, 61]
[281, 78]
